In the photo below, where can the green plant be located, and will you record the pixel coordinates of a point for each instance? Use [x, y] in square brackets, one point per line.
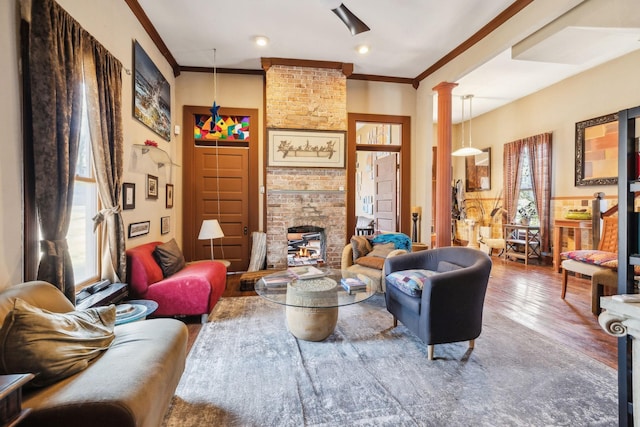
[527, 211]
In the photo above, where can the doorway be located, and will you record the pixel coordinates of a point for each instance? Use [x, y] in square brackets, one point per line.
[378, 172]
[220, 181]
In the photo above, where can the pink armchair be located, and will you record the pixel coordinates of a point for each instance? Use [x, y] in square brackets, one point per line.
[194, 290]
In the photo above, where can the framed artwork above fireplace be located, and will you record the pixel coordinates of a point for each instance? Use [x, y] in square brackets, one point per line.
[306, 148]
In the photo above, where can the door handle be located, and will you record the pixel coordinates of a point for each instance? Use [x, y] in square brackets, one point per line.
[246, 230]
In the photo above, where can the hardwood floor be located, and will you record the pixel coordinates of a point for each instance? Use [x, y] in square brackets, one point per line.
[529, 295]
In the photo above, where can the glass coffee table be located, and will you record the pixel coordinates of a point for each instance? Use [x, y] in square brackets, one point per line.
[312, 303]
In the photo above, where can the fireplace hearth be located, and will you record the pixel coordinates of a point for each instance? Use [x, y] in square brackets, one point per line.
[306, 245]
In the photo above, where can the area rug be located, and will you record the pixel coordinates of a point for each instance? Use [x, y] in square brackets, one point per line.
[246, 369]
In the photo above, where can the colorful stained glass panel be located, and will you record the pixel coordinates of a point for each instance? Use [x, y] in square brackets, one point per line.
[227, 128]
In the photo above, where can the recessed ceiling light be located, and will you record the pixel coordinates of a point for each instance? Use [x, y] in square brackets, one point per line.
[363, 49]
[262, 40]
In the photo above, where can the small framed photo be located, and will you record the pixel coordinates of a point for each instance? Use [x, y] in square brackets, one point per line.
[128, 195]
[165, 225]
[139, 228]
[152, 187]
[169, 204]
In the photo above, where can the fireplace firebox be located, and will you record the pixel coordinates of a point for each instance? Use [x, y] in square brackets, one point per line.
[306, 245]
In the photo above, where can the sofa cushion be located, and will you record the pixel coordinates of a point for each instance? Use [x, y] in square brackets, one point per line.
[53, 345]
[360, 246]
[410, 282]
[169, 257]
[381, 250]
[371, 262]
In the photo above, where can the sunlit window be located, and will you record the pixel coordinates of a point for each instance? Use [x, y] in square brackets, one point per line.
[526, 201]
[82, 241]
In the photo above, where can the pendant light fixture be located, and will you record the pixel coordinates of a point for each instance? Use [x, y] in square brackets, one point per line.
[211, 228]
[215, 107]
[470, 150]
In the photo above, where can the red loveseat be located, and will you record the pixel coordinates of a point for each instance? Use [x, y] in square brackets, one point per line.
[194, 290]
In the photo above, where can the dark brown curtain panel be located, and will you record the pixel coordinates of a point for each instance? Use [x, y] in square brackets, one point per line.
[55, 67]
[103, 77]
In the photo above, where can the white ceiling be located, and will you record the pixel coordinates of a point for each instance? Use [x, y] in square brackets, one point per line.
[406, 38]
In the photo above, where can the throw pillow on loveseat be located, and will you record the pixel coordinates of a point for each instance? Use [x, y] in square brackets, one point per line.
[366, 255]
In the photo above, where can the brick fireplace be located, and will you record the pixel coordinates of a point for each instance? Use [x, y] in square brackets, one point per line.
[309, 96]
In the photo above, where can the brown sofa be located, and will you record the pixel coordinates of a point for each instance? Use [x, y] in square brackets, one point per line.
[130, 384]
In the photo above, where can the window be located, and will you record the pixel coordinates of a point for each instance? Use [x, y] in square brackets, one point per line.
[81, 240]
[526, 201]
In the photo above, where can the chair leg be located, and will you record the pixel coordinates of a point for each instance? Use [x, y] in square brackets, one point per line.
[430, 352]
[472, 343]
[395, 321]
[564, 283]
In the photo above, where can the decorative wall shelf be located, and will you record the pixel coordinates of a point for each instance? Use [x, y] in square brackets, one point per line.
[157, 155]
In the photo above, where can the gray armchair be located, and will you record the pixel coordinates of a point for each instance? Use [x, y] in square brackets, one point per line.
[449, 306]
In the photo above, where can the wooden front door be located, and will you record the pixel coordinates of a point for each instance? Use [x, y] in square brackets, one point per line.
[220, 182]
[385, 204]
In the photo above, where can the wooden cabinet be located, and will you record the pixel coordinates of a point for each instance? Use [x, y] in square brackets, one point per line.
[521, 242]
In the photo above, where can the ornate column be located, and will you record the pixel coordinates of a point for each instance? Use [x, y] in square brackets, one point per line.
[620, 319]
[443, 166]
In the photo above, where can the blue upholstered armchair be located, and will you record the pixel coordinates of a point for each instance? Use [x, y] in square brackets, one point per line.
[438, 294]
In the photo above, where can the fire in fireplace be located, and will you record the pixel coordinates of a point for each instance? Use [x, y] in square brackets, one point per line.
[306, 245]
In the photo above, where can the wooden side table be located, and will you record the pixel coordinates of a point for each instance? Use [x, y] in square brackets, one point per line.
[11, 411]
[558, 226]
[526, 236]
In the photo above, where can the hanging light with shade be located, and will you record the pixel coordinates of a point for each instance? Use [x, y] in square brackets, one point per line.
[470, 150]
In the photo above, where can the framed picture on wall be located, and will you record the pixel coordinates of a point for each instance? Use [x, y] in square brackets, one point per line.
[165, 224]
[139, 228]
[152, 187]
[151, 94]
[306, 148]
[169, 202]
[128, 195]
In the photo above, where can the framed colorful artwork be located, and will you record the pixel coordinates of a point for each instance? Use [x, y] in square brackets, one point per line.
[151, 94]
[597, 151]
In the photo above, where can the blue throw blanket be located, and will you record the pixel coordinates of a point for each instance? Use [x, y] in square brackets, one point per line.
[399, 240]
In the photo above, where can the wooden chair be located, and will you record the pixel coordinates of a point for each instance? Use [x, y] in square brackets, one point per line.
[607, 247]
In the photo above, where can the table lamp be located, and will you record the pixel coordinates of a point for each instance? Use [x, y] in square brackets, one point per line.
[210, 229]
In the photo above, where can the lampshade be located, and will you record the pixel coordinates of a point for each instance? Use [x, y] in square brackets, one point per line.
[466, 151]
[210, 230]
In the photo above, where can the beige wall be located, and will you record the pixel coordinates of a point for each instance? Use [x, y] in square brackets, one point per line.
[602, 90]
[115, 26]
[232, 91]
[11, 265]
